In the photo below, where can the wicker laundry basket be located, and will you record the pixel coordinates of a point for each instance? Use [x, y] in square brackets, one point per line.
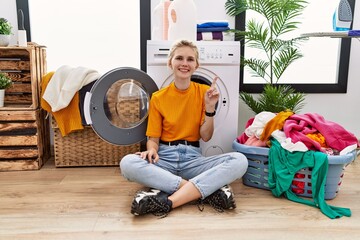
[86, 148]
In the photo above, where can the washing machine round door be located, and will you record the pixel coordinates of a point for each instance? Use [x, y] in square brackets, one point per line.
[117, 105]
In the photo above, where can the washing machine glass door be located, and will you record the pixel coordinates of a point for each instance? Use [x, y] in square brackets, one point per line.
[117, 105]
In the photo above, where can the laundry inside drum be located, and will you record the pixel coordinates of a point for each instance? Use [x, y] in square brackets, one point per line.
[126, 103]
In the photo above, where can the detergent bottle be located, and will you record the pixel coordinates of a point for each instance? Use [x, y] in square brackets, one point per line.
[166, 19]
[157, 24]
[182, 15]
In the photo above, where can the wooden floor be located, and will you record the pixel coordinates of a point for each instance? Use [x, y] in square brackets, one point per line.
[94, 203]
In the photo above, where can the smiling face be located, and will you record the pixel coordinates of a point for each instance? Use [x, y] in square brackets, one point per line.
[183, 60]
[184, 63]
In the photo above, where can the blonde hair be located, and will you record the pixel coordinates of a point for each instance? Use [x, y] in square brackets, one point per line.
[183, 43]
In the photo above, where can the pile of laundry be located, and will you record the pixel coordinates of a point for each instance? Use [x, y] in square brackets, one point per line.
[298, 132]
[296, 142]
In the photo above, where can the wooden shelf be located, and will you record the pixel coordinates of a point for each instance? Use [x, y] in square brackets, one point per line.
[25, 66]
[24, 129]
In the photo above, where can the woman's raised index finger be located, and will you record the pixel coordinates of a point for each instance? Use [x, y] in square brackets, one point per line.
[213, 84]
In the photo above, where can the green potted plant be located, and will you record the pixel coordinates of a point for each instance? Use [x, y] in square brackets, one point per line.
[5, 82]
[5, 32]
[265, 33]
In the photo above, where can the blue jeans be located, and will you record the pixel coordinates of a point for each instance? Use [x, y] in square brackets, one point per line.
[208, 174]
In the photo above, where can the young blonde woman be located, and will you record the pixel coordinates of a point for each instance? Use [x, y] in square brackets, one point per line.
[172, 166]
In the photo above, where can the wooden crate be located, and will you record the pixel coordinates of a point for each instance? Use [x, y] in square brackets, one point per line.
[86, 148]
[24, 141]
[25, 66]
[24, 131]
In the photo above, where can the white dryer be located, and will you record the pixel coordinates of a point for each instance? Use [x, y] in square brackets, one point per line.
[217, 58]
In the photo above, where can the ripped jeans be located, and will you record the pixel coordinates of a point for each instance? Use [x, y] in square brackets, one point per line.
[208, 174]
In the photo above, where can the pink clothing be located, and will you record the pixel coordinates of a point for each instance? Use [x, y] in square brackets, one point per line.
[243, 137]
[254, 141]
[298, 125]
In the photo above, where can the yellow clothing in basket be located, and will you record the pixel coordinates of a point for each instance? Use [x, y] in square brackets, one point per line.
[276, 123]
[68, 119]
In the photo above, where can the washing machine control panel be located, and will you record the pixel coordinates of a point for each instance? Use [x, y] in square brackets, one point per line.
[218, 54]
[210, 52]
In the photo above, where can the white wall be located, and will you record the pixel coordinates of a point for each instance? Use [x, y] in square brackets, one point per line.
[8, 11]
[114, 40]
[102, 35]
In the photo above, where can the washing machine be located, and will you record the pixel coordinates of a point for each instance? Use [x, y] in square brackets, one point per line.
[217, 58]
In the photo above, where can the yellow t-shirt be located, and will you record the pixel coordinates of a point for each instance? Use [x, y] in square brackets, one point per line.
[175, 114]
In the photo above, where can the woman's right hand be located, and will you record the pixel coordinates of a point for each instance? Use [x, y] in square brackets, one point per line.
[150, 155]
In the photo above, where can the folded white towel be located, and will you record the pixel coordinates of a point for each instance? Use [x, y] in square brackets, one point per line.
[65, 82]
[207, 36]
